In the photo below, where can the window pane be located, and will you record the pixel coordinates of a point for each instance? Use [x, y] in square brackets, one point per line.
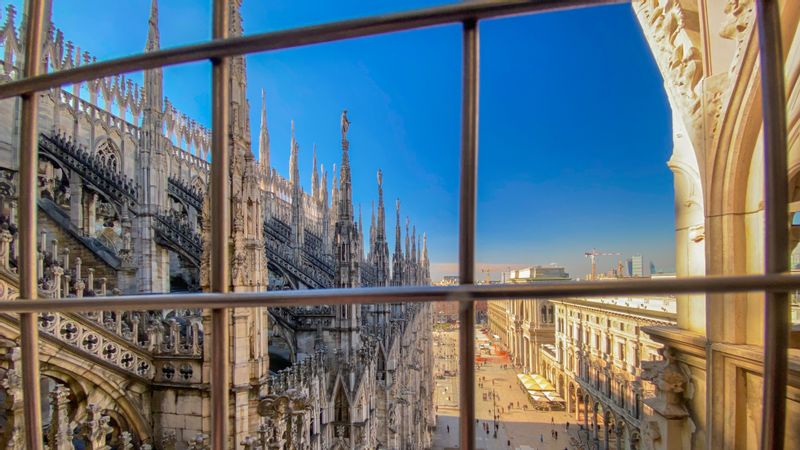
[573, 187]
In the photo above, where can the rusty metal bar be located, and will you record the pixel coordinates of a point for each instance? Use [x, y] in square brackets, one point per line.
[776, 229]
[412, 294]
[296, 37]
[220, 232]
[28, 186]
[466, 232]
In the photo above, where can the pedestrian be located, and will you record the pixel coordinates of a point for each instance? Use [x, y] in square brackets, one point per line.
[556, 435]
[448, 429]
[509, 442]
[552, 421]
[567, 425]
[541, 438]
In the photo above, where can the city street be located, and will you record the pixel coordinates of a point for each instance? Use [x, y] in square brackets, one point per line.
[518, 428]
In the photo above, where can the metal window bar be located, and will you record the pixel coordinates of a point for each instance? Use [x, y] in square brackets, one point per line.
[220, 231]
[774, 282]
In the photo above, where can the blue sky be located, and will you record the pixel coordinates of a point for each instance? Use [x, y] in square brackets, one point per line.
[574, 123]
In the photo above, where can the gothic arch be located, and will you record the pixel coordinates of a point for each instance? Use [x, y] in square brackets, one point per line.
[96, 386]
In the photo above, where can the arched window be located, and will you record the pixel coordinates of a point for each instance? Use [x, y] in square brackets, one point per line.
[108, 155]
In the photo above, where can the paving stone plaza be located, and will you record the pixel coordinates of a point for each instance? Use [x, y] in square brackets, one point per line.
[519, 427]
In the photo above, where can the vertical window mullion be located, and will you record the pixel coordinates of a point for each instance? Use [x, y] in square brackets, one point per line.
[220, 230]
[466, 233]
[28, 279]
[776, 308]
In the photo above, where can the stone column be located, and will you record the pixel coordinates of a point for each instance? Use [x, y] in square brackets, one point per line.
[5, 249]
[14, 433]
[60, 435]
[76, 200]
[90, 214]
[668, 428]
[57, 272]
[95, 428]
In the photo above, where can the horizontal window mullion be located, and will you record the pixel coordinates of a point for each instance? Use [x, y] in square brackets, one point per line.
[712, 284]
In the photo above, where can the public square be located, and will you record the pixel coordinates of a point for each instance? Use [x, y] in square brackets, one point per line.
[518, 426]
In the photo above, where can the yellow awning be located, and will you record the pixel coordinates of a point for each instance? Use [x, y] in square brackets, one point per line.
[535, 382]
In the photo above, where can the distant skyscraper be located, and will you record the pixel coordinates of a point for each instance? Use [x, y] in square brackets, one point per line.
[636, 266]
[652, 268]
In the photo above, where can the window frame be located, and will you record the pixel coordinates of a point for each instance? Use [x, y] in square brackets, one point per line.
[775, 282]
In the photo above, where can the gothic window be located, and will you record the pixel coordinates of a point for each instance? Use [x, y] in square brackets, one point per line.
[381, 371]
[108, 156]
[198, 185]
[341, 409]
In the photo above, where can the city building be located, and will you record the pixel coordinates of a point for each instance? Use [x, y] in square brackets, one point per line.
[596, 363]
[532, 274]
[449, 280]
[124, 208]
[522, 326]
[636, 266]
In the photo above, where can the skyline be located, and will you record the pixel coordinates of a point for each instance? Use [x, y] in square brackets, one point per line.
[406, 103]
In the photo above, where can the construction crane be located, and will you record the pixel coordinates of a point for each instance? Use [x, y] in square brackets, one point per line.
[592, 255]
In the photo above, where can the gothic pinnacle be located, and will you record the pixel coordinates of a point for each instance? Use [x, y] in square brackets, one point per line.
[360, 222]
[345, 184]
[324, 191]
[294, 168]
[315, 176]
[153, 41]
[397, 235]
[381, 224]
[408, 242]
[263, 137]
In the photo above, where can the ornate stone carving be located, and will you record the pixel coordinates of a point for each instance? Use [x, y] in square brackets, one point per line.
[738, 18]
[671, 382]
[95, 428]
[199, 442]
[60, 433]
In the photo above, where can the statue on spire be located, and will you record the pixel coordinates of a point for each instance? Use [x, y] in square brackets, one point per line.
[345, 124]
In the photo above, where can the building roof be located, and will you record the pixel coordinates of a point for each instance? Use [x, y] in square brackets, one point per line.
[655, 308]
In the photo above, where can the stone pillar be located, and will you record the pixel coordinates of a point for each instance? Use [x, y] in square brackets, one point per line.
[668, 428]
[14, 432]
[126, 440]
[95, 428]
[90, 214]
[76, 200]
[5, 249]
[57, 272]
[79, 284]
[60, 434]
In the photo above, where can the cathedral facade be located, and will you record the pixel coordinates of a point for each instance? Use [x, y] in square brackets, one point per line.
[123, 209]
